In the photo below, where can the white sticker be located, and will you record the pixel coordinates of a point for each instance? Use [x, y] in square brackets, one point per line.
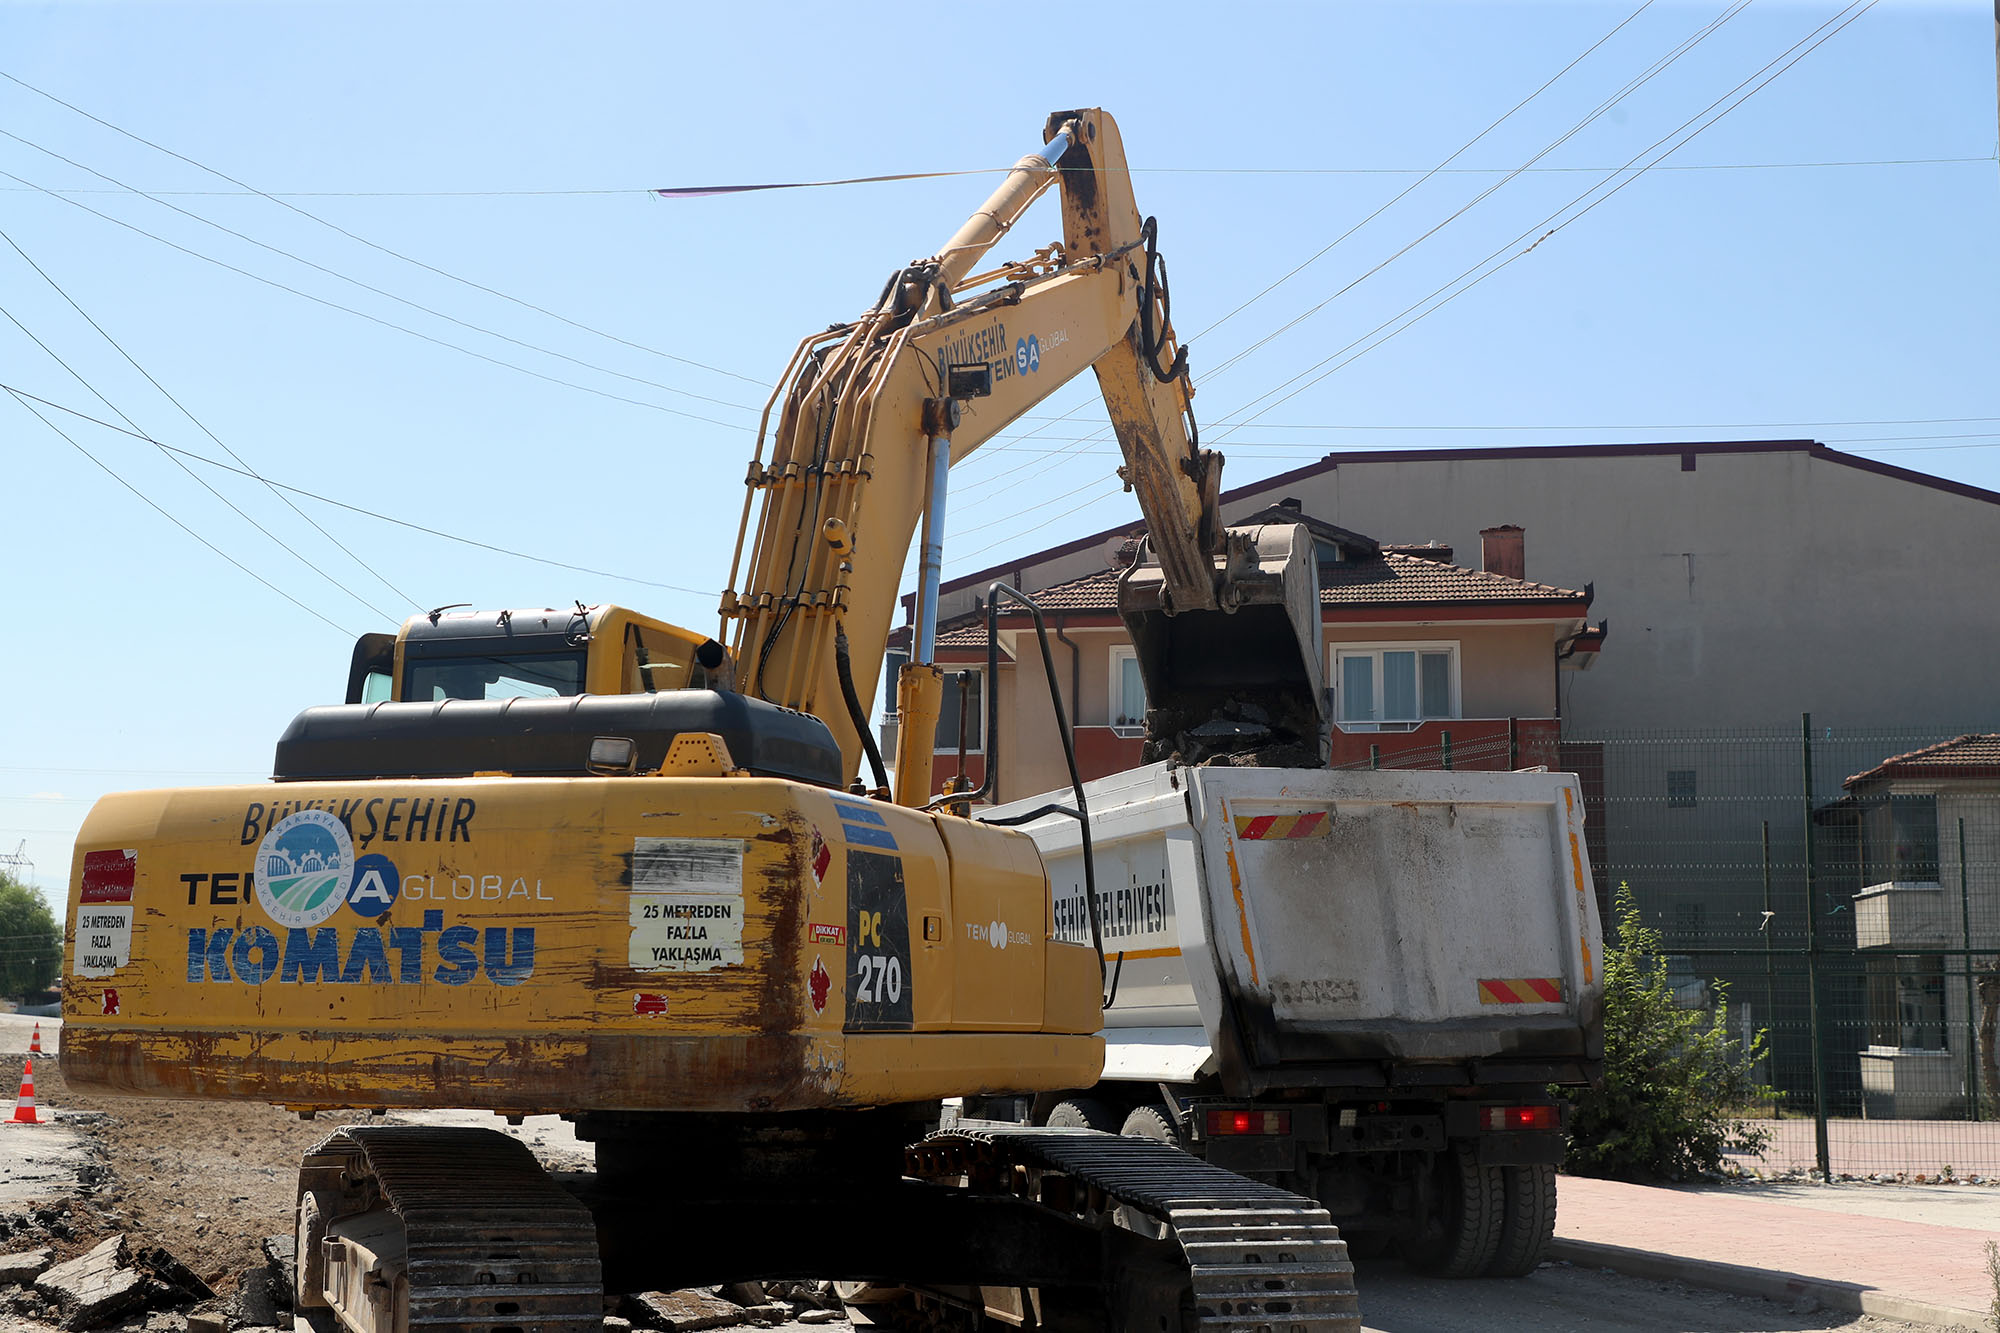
[686, 909]
[103, 939]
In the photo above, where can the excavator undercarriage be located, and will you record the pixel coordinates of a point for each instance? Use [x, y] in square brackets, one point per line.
[457, 1230]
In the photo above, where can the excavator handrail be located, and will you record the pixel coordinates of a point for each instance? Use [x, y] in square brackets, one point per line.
[994, 592]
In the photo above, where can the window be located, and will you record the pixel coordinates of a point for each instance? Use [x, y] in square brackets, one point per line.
[1680, 788]
[1395, 684]
[975, 716]
[1906, 1002]
[1128, 693]
[1899, 839]
[530, 676]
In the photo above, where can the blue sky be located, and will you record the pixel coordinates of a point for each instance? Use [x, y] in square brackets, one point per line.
[1752, 298]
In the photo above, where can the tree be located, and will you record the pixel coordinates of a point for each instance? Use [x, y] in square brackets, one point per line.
[1673, 1078]
[30, 939]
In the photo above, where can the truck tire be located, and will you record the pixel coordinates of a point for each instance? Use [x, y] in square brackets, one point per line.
[1151, 1122]
[1465, 1231]
[1084, 1113]
[1529, 1224]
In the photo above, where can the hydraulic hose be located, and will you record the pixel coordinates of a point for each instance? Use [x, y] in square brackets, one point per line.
[855, 712]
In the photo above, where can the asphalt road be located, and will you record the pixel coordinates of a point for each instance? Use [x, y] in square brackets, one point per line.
[1558, 1298]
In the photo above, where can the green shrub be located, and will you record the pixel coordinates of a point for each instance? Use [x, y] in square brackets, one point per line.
[1672, 1076]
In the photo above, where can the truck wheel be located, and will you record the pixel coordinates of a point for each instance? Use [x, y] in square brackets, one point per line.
[1083, 1113]
[1464, 1232]
[1529, 1224]
[1151, 1122]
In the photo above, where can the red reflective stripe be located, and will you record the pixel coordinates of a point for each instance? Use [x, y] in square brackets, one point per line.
[1307, 823]
[1258, 827]
[1501, 992]
[1549, 988]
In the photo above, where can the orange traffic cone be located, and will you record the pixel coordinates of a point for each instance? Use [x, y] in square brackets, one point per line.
[24, 1108]
[35, 1041]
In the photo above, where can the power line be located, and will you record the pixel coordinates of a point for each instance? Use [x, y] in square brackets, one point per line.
[1646, 76]
[642, 191]
[204, 430]
[341, 504]
[23, 400]
[1323, 251]
[373, 319]
[1658, 66]
[368, 287]
[363, 240]
[1635, 175]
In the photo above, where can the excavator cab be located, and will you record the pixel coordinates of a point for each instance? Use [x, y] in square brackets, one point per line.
[1240, 683]
[536, 653]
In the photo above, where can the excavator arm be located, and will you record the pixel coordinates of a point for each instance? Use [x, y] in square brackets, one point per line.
[872, 414]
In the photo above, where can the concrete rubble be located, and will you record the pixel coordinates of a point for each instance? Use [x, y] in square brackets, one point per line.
[93, 1290]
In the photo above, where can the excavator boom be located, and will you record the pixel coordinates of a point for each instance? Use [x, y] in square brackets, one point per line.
[875, 412]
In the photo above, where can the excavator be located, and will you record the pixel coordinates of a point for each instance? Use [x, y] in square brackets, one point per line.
[583, 862]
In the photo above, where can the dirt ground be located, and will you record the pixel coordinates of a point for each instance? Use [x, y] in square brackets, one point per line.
[206, 1180]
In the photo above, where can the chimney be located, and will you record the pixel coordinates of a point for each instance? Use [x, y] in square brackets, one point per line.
[1502, 551]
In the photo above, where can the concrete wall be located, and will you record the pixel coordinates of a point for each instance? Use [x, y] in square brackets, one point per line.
[1746, 591]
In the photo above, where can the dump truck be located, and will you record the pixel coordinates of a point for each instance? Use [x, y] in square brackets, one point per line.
[579, 861]
[1362, 986]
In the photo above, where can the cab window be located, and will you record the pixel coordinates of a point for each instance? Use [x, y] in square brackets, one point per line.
[538, 676]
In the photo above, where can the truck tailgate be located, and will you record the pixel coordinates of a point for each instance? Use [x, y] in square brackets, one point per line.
[1403, 915]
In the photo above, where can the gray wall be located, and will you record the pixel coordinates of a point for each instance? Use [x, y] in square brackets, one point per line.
[1755, 587]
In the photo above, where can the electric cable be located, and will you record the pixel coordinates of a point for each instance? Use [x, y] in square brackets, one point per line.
[1858, 9]
[374, 319]
[355, 509]
[1646, 76]
[1658, 66]
[368, 287]
[113, 473]
[249, 192]
[363, 240]
[211, 435]
[1321, 253]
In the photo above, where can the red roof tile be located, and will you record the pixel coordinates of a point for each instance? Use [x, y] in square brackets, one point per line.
[1969, 756]
[1385, 579]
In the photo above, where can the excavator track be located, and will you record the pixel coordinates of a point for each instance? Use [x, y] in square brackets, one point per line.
[1259, 1259]
[491, 1243]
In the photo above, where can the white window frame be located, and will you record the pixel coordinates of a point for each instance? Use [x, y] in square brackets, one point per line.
[951, 669]
[1375, 650]
[1114, 691]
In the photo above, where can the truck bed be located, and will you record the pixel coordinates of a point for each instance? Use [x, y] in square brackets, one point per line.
[1282, 927]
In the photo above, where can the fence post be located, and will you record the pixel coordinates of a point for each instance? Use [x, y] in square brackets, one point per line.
[1513, 743]
[1971, 1002]
[1447, 749]
[1770, 943]
[1812, 961]
[1374, 757]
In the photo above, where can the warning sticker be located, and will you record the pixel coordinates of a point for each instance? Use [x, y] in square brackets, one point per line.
[686, 909]
[104, 912]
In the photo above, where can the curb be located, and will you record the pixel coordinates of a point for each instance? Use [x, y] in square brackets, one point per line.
[1771, 1284]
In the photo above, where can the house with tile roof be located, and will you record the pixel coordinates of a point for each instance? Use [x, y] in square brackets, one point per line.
[1928, 898]
[1428, 662]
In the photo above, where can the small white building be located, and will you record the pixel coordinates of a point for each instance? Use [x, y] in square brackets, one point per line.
[1929, 824]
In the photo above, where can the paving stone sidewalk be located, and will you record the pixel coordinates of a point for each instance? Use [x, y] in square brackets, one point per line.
[1731, 1240]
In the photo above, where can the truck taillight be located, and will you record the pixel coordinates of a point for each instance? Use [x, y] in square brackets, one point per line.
[1249, 1122]
[1519, 1117]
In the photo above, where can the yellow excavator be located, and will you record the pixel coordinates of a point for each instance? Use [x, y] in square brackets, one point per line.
[585, 862]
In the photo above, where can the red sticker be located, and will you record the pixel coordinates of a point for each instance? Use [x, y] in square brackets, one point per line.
[645, 1002]
[821, 984]
[108, 876]
[110, 1000]
[822, 856]
[825, 934]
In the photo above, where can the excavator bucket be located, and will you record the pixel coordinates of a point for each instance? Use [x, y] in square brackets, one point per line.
[1240, 684]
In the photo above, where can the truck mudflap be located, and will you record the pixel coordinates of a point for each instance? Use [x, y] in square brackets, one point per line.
[1257, 1257]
